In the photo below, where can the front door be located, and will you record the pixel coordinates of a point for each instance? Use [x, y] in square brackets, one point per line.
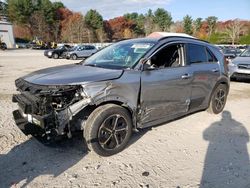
[166, 87]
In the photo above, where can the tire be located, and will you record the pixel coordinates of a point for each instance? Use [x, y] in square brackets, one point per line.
[74, 57]
[218, 99]
[233, 79]
[108, 129]
[55, 56]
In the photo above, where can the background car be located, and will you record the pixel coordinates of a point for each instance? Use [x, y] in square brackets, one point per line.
[3, 46]
[231, 53]
[240, 66]
[58, 52]
[82, 51]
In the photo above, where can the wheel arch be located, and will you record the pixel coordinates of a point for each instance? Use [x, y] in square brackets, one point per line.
[87, 110]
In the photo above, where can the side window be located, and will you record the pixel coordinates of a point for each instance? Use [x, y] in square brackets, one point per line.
[169, 56]
[210, 56]
[196, 54]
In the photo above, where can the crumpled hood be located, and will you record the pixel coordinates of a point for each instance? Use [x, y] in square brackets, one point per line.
[244, 60]
[71, 75]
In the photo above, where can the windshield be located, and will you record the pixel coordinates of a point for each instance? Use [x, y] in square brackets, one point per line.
[246, 53]
[120, 55]
[74, 48]
[60, 47]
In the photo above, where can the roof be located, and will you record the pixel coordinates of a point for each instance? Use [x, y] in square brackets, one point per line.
[159, 35]
[5, 23]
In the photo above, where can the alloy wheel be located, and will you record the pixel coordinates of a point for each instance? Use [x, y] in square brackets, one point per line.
[220, 99]
[112, 132]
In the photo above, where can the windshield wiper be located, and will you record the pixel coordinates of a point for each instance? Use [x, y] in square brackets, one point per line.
[91, 65]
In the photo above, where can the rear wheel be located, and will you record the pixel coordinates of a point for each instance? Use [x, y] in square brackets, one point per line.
[108, 129]
[218, 99]
[74, 57]
[55, 56]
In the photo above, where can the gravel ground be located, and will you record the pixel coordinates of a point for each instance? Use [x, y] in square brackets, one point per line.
[200, 150]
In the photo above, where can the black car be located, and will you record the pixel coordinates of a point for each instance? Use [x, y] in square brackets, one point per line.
[3, 46]
[58, 52]
[130, 85]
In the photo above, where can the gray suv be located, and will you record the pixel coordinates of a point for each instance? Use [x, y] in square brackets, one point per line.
[81, 51]
[130, 85]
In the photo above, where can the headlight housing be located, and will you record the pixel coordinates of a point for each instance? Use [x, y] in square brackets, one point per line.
[49, 53]
[232, 64]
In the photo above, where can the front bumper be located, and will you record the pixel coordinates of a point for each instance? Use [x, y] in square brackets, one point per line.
[48, 54]
[56, 123]
[26, 126]
[236, 72]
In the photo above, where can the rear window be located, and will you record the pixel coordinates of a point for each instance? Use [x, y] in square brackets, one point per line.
[90, 47]
[196, 54]
[199, 54]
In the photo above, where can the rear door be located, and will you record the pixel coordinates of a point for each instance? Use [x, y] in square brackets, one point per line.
[81, 51]
[205, 68]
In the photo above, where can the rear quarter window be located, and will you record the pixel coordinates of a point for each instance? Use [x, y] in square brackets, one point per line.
[210, 56]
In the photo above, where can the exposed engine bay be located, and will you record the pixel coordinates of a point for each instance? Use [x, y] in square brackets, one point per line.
[50, 107]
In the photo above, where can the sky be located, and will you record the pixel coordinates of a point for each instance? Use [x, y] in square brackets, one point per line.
[223, 9]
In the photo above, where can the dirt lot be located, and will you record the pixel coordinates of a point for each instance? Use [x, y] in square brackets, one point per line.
[200, 150]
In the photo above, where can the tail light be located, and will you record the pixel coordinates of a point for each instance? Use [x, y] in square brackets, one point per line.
[226, 62]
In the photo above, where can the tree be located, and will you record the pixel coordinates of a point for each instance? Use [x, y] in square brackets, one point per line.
[94, 19]
[163, 19]
[3, 10]
[95, 22]
[138, 20]
[149, 22]
[20, 11]
[39, 26]
[187, 20]
[74, 29]
[233, 30]
[177, 27]
[197, 25]
[48, 11]
[211, 22]
[118, 26]
[58, 5]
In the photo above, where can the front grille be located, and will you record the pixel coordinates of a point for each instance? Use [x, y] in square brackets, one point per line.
[27, 102]
[244, 66]
[241, 75]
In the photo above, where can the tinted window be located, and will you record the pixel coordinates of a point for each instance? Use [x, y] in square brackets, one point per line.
[91, 47]
[196, 53]
[210, 56]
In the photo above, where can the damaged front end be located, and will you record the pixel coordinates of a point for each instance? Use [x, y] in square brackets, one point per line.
[48, 110]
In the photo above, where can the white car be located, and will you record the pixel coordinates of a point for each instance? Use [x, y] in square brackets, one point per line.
[240, 66]
[81, 51]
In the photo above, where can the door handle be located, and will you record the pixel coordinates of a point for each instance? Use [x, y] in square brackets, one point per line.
[215, 70]
[186, 76]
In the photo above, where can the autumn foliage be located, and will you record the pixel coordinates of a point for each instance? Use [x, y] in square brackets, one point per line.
[52, 21]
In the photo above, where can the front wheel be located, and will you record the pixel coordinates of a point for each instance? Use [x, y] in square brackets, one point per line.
[108, 129]
[218, 99]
